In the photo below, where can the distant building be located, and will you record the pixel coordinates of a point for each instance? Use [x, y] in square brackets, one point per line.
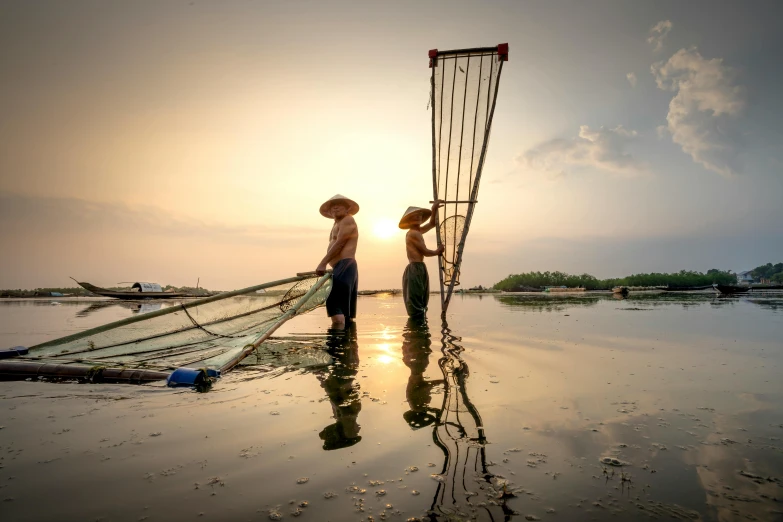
[744, 278]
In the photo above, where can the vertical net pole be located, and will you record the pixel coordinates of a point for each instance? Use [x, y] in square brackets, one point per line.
[435, 174]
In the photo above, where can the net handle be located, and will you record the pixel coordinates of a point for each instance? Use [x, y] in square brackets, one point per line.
[170, 310]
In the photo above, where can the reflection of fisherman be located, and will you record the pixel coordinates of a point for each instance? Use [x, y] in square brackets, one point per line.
[415, 280]
[416, 356]
[343, 394]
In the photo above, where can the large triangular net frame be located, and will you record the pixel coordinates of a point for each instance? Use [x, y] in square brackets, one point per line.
[464, 91]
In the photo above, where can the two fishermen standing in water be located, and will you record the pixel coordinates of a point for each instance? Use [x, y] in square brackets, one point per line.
[341, 255]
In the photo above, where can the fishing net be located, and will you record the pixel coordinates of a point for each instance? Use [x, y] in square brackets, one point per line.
[450, 231]
[210, 332]
[464, 89]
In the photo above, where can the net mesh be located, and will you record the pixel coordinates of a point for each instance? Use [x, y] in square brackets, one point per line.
[208, 332]
[464, 86]
[450, 231]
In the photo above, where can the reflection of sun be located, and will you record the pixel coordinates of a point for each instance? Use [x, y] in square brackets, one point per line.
[385, 228]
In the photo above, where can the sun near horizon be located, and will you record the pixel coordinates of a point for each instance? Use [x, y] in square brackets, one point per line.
[385, 229]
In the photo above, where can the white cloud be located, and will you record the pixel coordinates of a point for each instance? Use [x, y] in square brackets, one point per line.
[662, 131]
[702, 112]
[631, 79]
[602, 149]
[658, 33]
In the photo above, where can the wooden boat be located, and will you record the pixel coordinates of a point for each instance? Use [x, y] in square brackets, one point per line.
[138, 291]
[620, 290]
[687, 288]
[732, 289]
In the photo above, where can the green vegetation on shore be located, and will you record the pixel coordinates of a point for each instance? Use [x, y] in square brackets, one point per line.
[769, 272]
[679, 279]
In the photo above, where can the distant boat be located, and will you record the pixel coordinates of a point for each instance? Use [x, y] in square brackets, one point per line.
[688, 288]
[732, 289]
[563, 290]
[138, 291]
[621, 290]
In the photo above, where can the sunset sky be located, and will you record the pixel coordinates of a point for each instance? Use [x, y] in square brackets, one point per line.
[168, 141]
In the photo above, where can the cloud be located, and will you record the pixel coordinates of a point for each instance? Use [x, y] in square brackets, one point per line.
[631, 79]
[658, 33]
[702, 113]
[602, 149]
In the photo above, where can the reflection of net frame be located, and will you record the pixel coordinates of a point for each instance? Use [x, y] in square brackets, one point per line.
[463, 121]
[459, 433]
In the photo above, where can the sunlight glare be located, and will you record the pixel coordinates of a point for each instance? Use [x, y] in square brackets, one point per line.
[385, 228]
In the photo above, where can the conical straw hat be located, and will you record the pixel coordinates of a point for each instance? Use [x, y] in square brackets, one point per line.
[326, 208]
[411, 212]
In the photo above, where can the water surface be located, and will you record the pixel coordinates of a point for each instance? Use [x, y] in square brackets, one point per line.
[557, 407]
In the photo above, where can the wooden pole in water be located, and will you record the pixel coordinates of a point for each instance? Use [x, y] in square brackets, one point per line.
[10, 370]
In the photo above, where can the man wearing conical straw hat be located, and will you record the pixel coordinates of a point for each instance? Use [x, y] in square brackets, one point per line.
[415, 279]
[340, 255]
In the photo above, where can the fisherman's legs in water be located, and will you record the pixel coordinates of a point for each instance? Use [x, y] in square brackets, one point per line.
[341, 303]
[416, 289]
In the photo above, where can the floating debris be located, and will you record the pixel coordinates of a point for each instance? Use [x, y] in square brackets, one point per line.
[380, 493]
[413, 468]
[302, 480]
[275, 515]
[274, 412]
[329, 494]
[415, 493]
[612, 461]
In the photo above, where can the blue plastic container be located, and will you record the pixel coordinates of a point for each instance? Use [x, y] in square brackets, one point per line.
[7, 353]
[191, 376]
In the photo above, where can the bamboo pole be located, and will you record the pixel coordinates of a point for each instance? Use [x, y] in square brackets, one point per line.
[27, 369]
[248, 349]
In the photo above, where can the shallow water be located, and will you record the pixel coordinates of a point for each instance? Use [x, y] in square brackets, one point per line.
[506, 412]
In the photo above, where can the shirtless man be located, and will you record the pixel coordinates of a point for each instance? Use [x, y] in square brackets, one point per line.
[415, 279]
[341, 303]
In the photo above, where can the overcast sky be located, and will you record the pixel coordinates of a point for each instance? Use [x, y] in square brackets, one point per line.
[167, 141]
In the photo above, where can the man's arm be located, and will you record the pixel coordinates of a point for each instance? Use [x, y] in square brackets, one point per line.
[417, 241]
[433, 218]
[345, 231]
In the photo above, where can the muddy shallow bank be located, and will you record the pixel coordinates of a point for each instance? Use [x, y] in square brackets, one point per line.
[561, 408]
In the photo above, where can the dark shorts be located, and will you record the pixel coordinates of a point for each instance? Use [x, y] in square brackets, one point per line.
[416, 289]
[345, 289]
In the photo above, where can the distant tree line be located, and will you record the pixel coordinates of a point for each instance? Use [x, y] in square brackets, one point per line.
[682, 278]
[76, 292]
[769, 271]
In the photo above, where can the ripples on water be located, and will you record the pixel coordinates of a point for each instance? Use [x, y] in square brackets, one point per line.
[521, 407]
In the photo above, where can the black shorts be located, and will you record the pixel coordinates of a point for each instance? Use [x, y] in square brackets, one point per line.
[345, 289]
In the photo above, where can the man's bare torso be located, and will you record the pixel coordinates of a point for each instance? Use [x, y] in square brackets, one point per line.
[414, 254]
[349, 250]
